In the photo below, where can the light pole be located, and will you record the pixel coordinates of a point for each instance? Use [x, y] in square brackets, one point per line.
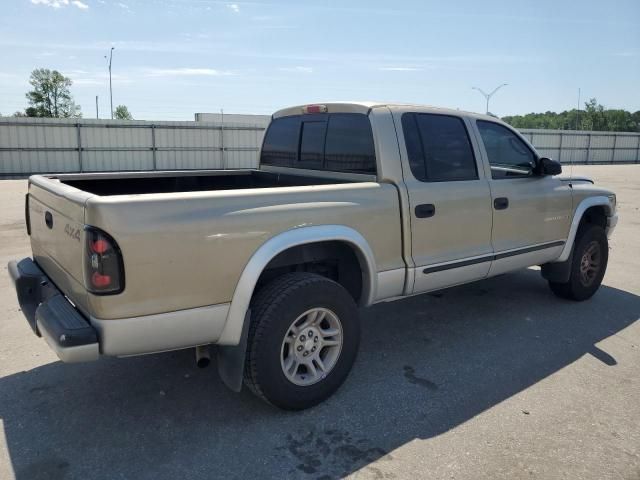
[488, 96]
[110, 88]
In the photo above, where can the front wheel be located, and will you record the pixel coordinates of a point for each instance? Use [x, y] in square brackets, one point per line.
[303, 340]
[588, 266]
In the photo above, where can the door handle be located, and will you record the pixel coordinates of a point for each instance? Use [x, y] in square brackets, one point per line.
[425, 210]
[501, 203]
[48, 219]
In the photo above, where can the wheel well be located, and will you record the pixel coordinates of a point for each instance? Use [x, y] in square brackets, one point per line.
[336, 260]
[594, 216]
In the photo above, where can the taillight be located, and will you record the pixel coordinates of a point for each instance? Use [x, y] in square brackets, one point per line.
[314, 109]
[103, 269]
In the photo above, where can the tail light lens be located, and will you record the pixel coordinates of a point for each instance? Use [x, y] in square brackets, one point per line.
[103, 269]
[314, 109]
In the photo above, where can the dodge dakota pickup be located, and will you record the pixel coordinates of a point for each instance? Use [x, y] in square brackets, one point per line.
[352, 204]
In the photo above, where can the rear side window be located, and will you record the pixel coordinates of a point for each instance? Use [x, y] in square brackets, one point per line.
[339, 142]
[438, 147]
[349, 146]
[312, 144]
[280, 146]
[509, 156]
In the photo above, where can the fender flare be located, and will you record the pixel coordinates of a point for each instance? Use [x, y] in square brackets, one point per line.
[583, 206]
[245, 287]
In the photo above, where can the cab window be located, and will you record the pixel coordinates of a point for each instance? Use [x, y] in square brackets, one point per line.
[438, 147]
[339, 142]
[509, 156]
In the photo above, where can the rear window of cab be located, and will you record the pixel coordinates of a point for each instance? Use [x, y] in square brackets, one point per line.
[339, 142]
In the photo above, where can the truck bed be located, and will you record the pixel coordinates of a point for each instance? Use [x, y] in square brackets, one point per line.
[193, 228]
[172, 182]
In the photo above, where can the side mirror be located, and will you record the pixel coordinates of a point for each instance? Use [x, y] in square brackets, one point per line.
[546, 166]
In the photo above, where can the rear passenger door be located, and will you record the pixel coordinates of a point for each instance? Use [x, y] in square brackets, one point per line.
[449, 201]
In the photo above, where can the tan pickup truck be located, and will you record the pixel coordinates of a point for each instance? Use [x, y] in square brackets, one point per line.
[353, 204]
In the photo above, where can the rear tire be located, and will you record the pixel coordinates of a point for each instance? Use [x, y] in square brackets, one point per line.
[303, 340]
[588, 266]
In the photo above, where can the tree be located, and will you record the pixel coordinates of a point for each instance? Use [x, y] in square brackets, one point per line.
[50, 96]
[593, 117]
[122, 113]
[635, 118]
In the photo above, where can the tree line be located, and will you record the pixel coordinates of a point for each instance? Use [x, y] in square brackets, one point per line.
[593, 117]
[50, 97]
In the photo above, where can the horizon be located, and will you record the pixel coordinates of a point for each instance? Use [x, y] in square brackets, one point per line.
[175, 58]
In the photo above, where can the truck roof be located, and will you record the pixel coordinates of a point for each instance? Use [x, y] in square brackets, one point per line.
[366, 106]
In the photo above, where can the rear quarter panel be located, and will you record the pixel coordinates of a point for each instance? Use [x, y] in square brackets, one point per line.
[188, 250]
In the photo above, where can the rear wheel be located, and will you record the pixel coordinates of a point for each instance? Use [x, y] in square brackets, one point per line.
[303, 340]
[589, 264]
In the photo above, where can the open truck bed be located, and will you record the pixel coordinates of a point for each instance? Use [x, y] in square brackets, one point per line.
[131, 183]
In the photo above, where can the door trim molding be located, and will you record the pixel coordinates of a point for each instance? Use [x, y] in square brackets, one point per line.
[533, 248]
[491, 257]
[458, 264]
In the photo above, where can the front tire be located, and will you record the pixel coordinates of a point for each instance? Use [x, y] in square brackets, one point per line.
[303, 340]
[588, 265]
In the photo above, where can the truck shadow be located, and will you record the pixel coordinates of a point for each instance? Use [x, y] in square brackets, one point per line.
[427, 364]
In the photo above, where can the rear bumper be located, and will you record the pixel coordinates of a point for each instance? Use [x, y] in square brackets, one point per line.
[51, 315]
[76, 338]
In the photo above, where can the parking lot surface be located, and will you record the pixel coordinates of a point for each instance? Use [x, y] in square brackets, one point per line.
[497, 379]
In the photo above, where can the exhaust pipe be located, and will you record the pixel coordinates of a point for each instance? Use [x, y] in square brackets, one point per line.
[203, 356]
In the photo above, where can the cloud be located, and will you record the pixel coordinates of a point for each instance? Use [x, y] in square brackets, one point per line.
[87, 81]
[234, 7]
[198, 36]
[264, 18]
[186, 72]
[51, 3]
[83, 77]
[9, 76]
[61, 3]
[400, 69]
[297, 69]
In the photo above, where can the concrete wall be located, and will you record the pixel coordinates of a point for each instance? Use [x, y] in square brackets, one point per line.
[571, 146]
[34, 145]
[237, 119]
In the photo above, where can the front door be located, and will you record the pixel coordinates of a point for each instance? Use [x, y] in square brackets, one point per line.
[531, 212]
[449, 202]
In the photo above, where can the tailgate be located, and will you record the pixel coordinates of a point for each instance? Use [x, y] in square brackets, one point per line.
[56, 217]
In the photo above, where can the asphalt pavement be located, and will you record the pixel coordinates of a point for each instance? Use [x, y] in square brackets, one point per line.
[497, 380]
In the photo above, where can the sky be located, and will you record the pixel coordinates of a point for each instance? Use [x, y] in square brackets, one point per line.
[174, 58]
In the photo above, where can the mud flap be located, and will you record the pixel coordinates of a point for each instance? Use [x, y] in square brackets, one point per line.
[231, 358]
[557, 272]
